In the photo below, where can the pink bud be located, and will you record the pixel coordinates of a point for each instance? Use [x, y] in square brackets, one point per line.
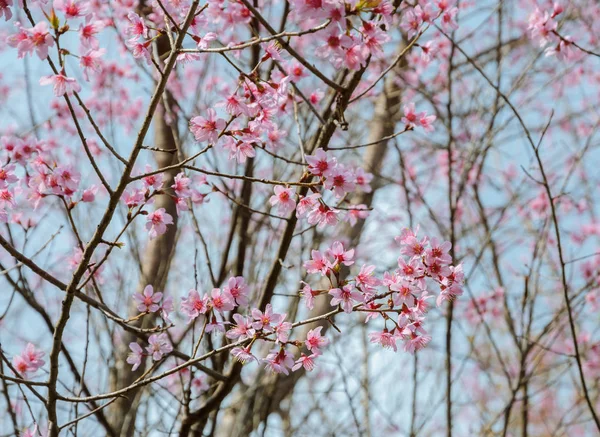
[558, 9]
[89, 195]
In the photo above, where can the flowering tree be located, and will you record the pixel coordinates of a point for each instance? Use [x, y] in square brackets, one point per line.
[239, 216]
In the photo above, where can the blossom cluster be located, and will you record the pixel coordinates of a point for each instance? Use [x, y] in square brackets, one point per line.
[42, 176]
[543, 28]
[158, 346]
[399, 298]
[253, 110]
[426, 13]
[29, 361]
[153, 184]
[334, 177]
[403, 304]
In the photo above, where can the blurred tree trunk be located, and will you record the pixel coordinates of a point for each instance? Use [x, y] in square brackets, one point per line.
[155, 265]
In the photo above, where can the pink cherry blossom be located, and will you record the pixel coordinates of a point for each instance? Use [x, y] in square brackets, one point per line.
[133, 198]
[308, 294]
[265, 321]
[314, 341]
[242, 354]
[362, 180]
[318, 264]
[194, 305]
[355, 213]
[305, 204]
[282, 330]
[88, 32]
[157, 221]
[89, 194]
[321, 164]
[148, 300]
[89, 62]
[37, 38]
[29, 361]
[242, 329]
[140, 50]
[61, 84]
[135, 356]
[204, 42]
[439, 251]
[153, 181]
[166, 308]
[181, 186]
[7, 175]
[5, 9]
[279, 361]
[72, 8]
[411, 22]
[221, 300]
[345, 297]
[340, 255]
[237, 290]
[365, 280]
[340, 181]
[137, 28]
[322, 216]
[416, 342]
[412, 119]
[283, 199]
[306, 361]
[384, 338]
[159, 345]
[449, 19]
[207, 129]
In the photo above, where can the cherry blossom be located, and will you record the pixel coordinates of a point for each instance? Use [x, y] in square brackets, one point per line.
[157, 221]
[72, 8]
[340, 181]
[135, 356]
[7, 176]
[321, 164]
[61, 84]
[314, 340]
[181, 186]
[294, 140]
[306, 361]
[237, 290]
[29, 362]
[283, 199]
[412, 118]
[242, 354]
[37, 38]
[207, 129]
[346, 297]
[5, 9]
[137, 28]
[279, 361]
[221, 300]
[194, 305]
[159, 345]
[242, 329]
[308, 294]
[322, 216]
[340, 255]
[384, 338]
[265, 320]
[411, 22]
[148, 300]
[318, 264]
